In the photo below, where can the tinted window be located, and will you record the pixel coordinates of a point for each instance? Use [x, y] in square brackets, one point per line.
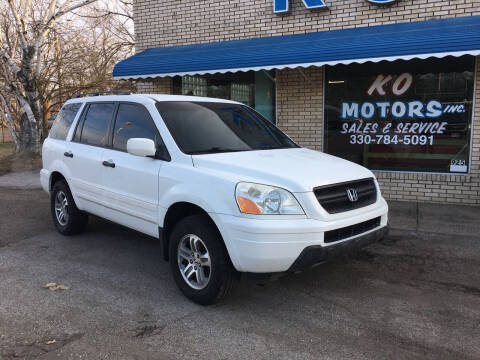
[208, 127]
[95, 126]
[133, 121]
[63, 121]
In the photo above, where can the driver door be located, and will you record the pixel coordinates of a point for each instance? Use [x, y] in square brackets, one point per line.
[131, 182]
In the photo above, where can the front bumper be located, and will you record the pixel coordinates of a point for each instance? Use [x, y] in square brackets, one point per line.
[316, 254]
[274, 245]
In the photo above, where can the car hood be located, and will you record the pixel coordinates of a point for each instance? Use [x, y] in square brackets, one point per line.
[295, 169]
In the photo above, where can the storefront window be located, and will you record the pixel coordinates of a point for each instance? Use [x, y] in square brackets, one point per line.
[411, 115]
[252, 88]
[194, 85]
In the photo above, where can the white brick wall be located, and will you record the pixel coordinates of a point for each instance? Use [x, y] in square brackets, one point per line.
[300, 92]
[175, 22]
[155, 86]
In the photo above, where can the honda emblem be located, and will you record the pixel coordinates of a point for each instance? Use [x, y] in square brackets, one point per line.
[352, 195]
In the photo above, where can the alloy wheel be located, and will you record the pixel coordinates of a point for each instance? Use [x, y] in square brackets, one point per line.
[194, 261]
[61, 208]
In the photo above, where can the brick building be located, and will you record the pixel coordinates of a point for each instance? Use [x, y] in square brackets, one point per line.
[392, 85]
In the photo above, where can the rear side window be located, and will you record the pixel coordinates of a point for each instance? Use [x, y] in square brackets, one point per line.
[63, 121]
[96, 123]
[133, 121]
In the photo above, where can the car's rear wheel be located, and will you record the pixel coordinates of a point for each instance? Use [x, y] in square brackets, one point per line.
[68, 220]
[199, 260]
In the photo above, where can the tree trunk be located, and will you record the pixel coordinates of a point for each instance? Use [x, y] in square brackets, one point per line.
[31, 127]
[29, 141]
[31, 118]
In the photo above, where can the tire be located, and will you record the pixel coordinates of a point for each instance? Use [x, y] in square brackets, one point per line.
[74, 221]
[222, 276]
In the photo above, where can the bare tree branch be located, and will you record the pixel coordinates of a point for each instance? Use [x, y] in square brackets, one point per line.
[64, 10]
[21, 26]
[8, 61]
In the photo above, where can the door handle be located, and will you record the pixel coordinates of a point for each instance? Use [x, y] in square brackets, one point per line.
[109, 163]
[68, 154]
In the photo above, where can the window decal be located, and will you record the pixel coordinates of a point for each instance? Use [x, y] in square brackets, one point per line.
[411, 115]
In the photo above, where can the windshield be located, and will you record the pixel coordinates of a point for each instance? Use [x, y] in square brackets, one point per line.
[208, 127]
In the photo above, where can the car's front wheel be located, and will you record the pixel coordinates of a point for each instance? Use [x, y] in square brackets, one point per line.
[68, 220]
[199, 260]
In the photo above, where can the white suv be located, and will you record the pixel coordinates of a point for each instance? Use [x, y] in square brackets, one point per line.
[223, 189]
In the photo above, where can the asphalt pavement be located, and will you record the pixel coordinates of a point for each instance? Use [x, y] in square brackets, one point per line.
[414, 296]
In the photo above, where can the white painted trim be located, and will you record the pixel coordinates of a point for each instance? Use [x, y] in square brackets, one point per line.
[324, 123]
[472, 127]
[304, 65]
[276, 99]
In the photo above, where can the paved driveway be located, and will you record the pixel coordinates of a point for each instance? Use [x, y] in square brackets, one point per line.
[411, 297]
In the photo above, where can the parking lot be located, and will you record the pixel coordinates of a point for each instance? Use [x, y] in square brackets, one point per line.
[414, 296]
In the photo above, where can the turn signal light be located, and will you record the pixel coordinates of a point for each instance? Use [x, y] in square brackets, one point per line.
[248, 206]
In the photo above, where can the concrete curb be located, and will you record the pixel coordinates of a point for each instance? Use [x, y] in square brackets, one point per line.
[445, 219]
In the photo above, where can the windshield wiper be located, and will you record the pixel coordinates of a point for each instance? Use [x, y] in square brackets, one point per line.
[276, 147]
[214, 150]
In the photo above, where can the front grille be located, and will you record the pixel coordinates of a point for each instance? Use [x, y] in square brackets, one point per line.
[352, 230]
[334, 198]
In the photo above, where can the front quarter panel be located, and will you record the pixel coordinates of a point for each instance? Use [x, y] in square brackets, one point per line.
[211, 191]
[185, 183]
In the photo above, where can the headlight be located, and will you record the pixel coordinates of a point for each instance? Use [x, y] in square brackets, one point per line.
[266, 200]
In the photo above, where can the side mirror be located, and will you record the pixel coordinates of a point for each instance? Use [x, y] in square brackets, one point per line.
[141, 147]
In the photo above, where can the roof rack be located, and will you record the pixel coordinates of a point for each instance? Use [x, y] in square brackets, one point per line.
[99, 93]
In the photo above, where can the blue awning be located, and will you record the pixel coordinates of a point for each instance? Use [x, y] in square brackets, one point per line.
[431, 38]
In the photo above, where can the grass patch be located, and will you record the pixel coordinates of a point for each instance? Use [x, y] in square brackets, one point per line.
[6, 149]
[12, 162]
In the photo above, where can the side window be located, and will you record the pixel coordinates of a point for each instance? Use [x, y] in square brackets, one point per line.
[63, 121]
[133, 121]
[96, 123]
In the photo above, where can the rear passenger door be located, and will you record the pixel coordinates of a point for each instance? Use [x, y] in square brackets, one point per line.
[86, 156]
[131, 182]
